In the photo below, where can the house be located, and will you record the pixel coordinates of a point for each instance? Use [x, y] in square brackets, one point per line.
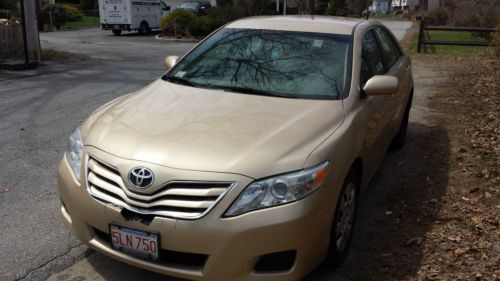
[379, 7]
[408, 5]
[399, 3]
[405, 6]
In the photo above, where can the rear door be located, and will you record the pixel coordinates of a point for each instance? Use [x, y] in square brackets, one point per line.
[115, 11]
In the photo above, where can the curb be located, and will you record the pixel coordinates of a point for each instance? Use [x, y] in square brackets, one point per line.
[177, 40]
[71, 29]
[18, 65]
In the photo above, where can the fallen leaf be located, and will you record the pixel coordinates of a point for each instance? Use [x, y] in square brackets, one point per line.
[454, 238]
[461, 251]
[413, 241]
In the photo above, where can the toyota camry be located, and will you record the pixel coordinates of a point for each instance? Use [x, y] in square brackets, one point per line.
[246, 159]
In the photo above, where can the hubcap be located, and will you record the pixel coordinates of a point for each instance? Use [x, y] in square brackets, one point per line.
[345, 216]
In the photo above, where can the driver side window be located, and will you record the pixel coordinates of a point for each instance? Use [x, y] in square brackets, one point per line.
[371, 58]
[164, 6]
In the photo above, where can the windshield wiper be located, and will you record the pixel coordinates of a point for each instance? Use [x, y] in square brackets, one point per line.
[256, 92]
[180, 80]
[245, 90]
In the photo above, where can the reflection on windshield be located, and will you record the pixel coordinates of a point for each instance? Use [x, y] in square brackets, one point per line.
[303, 65]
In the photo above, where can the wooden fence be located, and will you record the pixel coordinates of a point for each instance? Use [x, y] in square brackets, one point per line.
[11, 41]
[423, 28]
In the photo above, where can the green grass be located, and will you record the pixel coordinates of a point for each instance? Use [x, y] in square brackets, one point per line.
[86, 21]
[448, 36]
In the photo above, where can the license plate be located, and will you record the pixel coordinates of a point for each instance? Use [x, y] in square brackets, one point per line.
[116, 26]
[136, 242]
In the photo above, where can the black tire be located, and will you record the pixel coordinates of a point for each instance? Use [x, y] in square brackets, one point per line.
[144, 28]
[117, 32]
[337, 251]
[400, 138]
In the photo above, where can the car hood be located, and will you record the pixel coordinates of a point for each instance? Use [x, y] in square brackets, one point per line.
[191, 128]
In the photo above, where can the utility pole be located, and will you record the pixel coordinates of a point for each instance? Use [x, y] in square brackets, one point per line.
[25, 39]
[284, 7]
[31, 38]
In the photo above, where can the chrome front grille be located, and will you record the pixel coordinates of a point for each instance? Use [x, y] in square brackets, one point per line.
[176, 199]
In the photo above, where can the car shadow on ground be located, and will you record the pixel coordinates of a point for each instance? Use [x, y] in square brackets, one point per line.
[396, 210]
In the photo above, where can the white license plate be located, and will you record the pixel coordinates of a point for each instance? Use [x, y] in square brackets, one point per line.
[136, 242]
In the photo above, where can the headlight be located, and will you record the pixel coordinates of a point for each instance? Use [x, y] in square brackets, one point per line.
[74, 152]
[278, 190]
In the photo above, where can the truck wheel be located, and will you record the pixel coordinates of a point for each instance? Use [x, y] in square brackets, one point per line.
[117, 32]
[144, 28]
[343, 221]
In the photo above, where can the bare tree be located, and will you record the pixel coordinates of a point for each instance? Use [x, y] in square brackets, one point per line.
[252, 7]
[484, 13]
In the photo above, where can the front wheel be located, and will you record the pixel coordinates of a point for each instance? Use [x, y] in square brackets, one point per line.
[343, 221]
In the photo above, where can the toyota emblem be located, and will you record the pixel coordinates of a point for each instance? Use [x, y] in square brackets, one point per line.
[141, 177]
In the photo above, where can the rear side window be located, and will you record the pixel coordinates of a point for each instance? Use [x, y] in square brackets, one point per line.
[389, 49]
[371, 58]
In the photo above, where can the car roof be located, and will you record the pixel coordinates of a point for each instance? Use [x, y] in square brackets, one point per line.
[305, 23]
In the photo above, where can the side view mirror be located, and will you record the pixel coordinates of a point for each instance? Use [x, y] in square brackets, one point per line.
[381, 85]
[170, 61]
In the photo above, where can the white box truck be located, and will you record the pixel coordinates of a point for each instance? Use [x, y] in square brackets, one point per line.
[140, 15]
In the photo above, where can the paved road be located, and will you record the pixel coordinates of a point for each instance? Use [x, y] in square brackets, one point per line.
[38, 110]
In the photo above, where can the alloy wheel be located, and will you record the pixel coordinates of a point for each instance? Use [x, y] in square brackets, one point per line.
[345, 217]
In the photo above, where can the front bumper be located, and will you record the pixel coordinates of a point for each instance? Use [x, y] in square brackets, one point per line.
[105, 26]
[233, 246]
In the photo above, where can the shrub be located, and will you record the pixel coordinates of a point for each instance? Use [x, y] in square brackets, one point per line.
[228, 13]
[437, 17]
[87, 5]
[61, 14]
[4, 14]
[72, 13]
[8, 5]
[203, 26]
[177, 22]
[336, 8]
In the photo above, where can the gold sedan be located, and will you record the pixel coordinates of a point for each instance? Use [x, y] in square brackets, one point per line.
[246, 159]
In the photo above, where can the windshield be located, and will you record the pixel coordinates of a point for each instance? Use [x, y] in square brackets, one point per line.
[190, 6]
[281, 63]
